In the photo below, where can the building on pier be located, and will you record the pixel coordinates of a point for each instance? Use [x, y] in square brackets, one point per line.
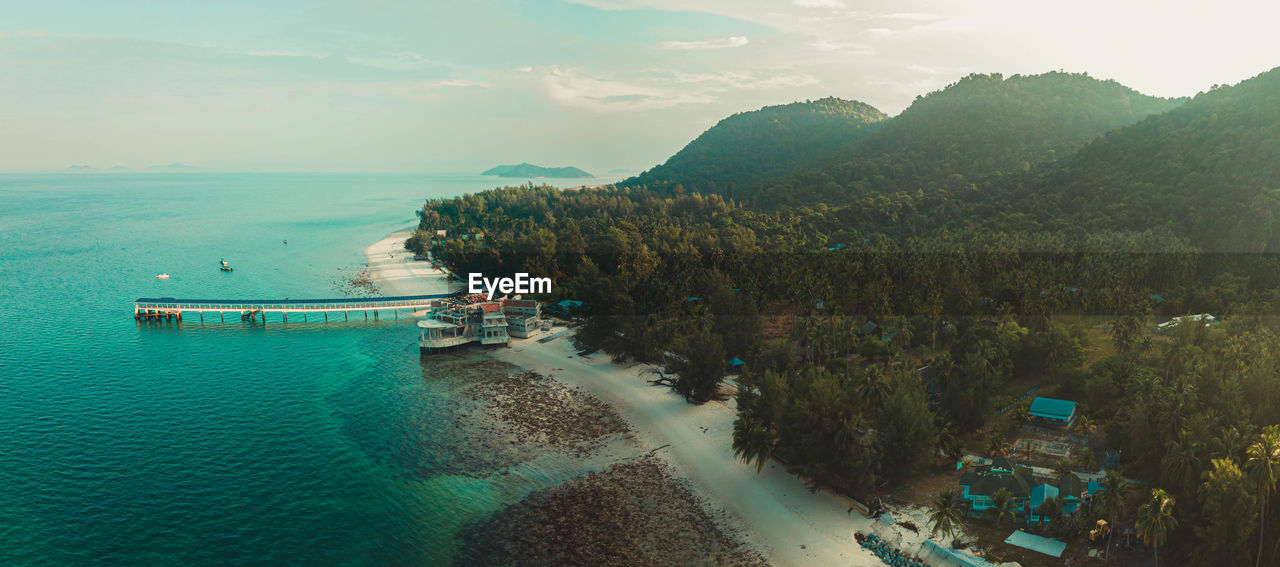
[466, 319]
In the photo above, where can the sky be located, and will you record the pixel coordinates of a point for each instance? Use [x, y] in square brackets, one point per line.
[408, 86]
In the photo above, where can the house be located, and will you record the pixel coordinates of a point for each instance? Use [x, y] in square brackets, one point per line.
[978, 486]
[1053, 412]
[1039, 494]
[868, 328]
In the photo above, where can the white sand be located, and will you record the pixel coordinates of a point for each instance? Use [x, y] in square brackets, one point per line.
[397, 273]
[772, 510]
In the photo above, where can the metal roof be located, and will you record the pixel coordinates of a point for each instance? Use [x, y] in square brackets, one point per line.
[1052, 408]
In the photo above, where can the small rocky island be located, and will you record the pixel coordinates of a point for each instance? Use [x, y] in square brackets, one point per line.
[530, 170]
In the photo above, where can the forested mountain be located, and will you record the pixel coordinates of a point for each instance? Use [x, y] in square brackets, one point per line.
[1209, 170]
[750, 148]
[967, 234]
[981, 126]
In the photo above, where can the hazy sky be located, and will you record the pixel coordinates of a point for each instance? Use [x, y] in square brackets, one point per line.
[392, 85]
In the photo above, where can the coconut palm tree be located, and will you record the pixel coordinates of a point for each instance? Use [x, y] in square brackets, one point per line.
[1002, 502]
[996, 447]
[944, 513]
[1050, 509]
[1264, 466]
[1111, 497]
[1182, 458]
[751, 441]
[1062, 468]
[1155, 520]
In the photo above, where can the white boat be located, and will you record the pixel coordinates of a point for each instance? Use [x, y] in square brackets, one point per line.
[162, 276]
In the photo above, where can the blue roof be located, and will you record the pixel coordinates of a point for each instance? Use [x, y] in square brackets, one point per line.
[735, 361]
[1050, 547]
[569, 303]
[1041, 493]
[1094, 486]
[1052, 409]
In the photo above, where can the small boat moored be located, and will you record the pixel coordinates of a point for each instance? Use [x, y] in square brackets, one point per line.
[225, 266]
[163, 276]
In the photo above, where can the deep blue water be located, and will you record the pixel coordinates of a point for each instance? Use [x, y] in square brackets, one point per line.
[220, 443]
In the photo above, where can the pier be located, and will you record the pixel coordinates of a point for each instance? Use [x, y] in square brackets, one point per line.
[172, 309]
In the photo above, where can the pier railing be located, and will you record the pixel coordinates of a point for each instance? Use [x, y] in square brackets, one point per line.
[170, 308]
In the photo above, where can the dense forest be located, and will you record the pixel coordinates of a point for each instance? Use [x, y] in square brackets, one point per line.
[972, 234]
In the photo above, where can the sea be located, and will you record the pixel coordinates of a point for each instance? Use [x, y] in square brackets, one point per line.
[225, 443]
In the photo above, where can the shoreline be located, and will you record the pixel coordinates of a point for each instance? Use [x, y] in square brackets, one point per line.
[395, 271]
[773, 512]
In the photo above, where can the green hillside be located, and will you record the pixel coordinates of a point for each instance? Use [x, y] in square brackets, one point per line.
[750, 148]
[982, 125]
[1209, 170]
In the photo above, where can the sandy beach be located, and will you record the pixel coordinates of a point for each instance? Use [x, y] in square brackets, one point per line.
[772, 511]
[396, 272]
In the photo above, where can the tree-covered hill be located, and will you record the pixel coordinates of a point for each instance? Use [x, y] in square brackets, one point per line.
[981, 126]
[530, 170]
[750, 148]
[1209, 170]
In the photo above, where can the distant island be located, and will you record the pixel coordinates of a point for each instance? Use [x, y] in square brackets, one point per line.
[530, 170]
[175, 166]
[90, 169]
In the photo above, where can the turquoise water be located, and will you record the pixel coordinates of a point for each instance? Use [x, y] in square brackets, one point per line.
[221, 443]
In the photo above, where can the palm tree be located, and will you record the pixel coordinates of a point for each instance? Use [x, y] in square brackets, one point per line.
[751, 441]
[1264, 466]
[944, 513]
[1155, 520]
[1062, 468]
[1003, 504]
[1050, 509]
[1182, 458]
[1111, 499]
[948, 443]
[1084, 426]
[996, 446]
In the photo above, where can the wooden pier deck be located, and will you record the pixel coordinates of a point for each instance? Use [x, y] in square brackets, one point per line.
[171, 309]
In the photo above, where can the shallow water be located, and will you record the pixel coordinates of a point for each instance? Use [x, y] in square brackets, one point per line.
[222, 443]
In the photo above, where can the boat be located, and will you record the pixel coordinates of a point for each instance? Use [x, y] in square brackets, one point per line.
[164, 276]
[225, 266]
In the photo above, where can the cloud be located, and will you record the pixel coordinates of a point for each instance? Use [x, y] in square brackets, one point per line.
[748, 80]
[832, 4]
[462, 83]
[726, 43]
[570, 87]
